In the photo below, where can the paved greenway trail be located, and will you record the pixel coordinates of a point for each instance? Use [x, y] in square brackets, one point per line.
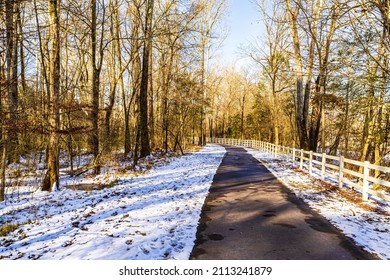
[250, 215]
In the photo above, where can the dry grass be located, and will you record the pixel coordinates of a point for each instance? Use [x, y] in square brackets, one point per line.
[7, 229]
[191, 148]
[91, 187]
[349, 194]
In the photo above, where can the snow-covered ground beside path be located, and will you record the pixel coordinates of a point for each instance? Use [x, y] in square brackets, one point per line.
[150, 217]
[367, 223]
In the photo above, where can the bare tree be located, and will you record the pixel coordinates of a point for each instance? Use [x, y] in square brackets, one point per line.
[12, 8]
[143, 95]
[274, 61]
[210, 14]
[51, 180]
[97, 54]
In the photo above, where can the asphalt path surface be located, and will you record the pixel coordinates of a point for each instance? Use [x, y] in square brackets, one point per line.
[250, 215]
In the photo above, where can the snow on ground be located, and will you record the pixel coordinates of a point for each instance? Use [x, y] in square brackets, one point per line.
[154, 216]
[367, 223]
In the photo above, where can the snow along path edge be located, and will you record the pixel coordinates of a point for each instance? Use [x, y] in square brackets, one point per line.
[150, 217]
[368, 229]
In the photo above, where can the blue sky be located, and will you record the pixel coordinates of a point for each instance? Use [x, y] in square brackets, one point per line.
[244, 23]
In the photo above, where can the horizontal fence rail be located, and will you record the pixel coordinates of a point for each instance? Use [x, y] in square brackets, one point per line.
[364, 177]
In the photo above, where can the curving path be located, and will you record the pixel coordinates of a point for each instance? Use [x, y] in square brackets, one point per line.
[250, 215]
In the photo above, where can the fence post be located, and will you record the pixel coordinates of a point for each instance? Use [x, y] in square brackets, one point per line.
[301, 162]
[293, 157]
[275, 150]
[341, 167]
[323, 167]
[366, 173]
[311, 163]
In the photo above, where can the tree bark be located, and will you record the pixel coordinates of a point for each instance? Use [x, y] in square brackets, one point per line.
[143, 96]
[12, 78]
[51, 180]
[96, 66]
[135, 77]
[299, 99]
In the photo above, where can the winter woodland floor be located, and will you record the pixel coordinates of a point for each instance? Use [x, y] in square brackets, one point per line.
[154, 215]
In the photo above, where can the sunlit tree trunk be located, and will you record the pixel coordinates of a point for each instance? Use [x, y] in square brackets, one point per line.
[97, 52]
[51, 179]
[127, 101]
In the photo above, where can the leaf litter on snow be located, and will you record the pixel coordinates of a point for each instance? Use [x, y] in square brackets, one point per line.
[151, 216]
[367, 223]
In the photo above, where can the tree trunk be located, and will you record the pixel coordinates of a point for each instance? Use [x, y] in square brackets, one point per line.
[21, 51]
[12, 79]
[299, 98]
[3, 163]
[3, 146]
[242, 117]
[116, 57]
[151, 103]
[51, 179]
[202, 133]
[303, 93]
[369, 133]
[143, 96]
[378, 140]
[95, 87]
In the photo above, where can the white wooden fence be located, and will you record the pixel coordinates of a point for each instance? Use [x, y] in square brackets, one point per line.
[350, 173]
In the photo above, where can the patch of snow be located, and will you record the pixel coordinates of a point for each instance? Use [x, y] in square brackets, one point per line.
[150, 217]
[369, 229]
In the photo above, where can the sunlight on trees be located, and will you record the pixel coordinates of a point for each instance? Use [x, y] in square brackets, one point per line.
[132, 76]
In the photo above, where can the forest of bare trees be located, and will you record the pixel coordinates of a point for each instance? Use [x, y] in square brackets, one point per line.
[102, 76]
[99, 76]
[325, 75]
